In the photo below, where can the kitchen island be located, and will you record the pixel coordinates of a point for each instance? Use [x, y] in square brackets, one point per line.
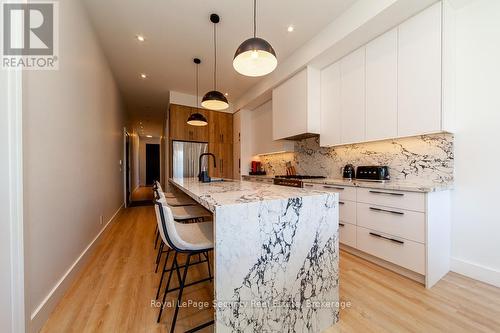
[276, 255]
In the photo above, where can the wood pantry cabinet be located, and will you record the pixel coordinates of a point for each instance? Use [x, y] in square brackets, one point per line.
[218, 134]
[179, 128]
[224, 160]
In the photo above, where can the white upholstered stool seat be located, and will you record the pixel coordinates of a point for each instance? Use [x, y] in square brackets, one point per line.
[195, 236]
[174, 202]
[189, 212]
[169, 195]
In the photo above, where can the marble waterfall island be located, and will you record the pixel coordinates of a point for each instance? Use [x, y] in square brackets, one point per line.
[276, 255]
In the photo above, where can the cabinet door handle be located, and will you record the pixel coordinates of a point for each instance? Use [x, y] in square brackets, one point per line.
[386, 211]
[341, 203]
[388, 193]
[334, 187]
[342, 224]
[388, 238]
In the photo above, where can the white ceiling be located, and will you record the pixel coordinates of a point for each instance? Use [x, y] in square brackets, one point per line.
[176, 31]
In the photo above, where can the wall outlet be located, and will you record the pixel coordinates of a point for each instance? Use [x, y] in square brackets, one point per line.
[101, 219]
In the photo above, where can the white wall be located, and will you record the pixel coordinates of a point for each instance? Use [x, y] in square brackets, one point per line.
[73, 141]
[142, 157]
[6, 306]
[476, 219]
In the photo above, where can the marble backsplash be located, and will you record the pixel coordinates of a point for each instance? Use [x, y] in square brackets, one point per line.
[425, 159]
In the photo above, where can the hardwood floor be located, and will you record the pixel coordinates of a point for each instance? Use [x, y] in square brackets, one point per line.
[142, 193]
[114, 293]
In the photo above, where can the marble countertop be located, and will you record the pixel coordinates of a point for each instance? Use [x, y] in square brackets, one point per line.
[230, 192]
[389, 185]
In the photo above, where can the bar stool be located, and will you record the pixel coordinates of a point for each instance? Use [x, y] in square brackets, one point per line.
[180, 214]
[191, 239]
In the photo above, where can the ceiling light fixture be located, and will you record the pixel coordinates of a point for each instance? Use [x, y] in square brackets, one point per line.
[149, 136]
[143, 76]
[140, 38]
[215, 100]
[290, 28]
[255, 56]
[196, 118]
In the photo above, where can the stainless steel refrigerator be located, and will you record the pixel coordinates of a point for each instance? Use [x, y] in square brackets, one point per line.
[185, 158]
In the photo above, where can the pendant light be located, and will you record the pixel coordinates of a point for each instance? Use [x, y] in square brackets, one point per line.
[197, 119]
[255, 56]
[215, 100]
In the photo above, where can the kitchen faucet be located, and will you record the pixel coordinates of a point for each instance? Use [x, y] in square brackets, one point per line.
[203, 175]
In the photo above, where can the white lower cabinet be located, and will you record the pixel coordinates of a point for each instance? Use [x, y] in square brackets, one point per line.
[347, 234]
[402, 223]
[402, 252]
[408, 232]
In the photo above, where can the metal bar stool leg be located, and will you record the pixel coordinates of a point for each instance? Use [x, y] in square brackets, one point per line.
[162, 274]
[179, 298]
[158, 257]
[174, 263]
[207, 255]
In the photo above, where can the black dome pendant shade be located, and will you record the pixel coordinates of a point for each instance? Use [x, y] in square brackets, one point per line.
[197, 119]
[255, 56]
[215, 100]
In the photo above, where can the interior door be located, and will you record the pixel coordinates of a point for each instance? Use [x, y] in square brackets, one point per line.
[152, 163]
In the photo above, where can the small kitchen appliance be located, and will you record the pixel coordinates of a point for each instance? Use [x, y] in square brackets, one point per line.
[373, 173]
[348, 172]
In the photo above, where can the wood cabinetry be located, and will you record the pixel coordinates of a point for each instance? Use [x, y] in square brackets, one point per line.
[220, 126]
[181, 130]
[224, 160]
[218, 134]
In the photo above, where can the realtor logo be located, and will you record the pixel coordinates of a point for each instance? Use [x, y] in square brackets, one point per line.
[30, 35]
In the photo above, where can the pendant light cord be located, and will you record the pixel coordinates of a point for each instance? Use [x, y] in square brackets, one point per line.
[215, 57]
[197, 85]
[254, 18]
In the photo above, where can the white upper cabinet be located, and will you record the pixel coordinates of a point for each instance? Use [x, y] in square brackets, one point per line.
[419, 73]
[393, 86]
[330, 106]
[352, 98]
[296, 106]
[382, 87]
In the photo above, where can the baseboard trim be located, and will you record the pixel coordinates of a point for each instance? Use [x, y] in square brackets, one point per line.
[478, 272]
[43, 311]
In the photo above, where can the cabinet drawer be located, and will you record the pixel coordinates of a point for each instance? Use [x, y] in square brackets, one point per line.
[393, 221]
[347, 233]
[346, 192]
[347, 211]
[404, 253]
[397, 199]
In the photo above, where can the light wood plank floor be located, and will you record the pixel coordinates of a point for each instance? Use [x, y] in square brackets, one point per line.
[142, 193]
[114, 293]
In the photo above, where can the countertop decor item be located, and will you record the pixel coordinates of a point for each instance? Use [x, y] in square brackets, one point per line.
[215, 100]
[255, 56]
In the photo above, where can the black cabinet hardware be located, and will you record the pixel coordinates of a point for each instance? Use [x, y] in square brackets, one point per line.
[341, 203]
[388, 238]
[388, 193]
[333, 187]
[342, 224]
[386, 211]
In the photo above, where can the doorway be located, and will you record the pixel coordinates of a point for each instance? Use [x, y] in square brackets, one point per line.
[152, 163]
[127, 168]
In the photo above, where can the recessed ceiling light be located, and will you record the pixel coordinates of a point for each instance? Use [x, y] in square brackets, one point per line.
[140, 38]
[290, 28]
[149, 136]
[226, 94]
[143, 76]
